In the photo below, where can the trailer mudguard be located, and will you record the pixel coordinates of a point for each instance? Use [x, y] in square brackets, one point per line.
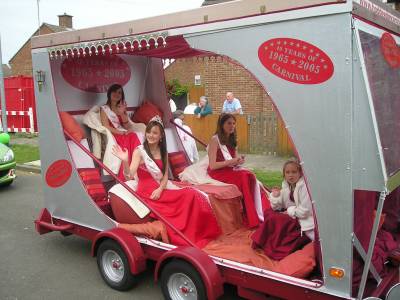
[128, 242]
[206, 267]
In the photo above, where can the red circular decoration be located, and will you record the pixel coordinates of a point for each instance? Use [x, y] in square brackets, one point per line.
[295, 61]
[390, 50]
[95, 73]
[58, 173]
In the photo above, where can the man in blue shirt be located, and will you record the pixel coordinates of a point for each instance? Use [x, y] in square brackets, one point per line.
[232, 105]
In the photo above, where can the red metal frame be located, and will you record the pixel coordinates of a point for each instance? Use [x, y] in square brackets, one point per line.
[203, 263]
[130, 245]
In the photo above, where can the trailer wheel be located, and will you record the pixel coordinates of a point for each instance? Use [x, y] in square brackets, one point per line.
[179, 280]
[114, 266]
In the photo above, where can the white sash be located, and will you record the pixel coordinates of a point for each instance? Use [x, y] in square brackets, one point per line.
[258, 185]
[224, 149]
[112, 117]
[154, 170]
[157, 175]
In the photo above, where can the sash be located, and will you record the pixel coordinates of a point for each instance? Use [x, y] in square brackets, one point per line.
[154, 170]
[224, 149]
[157, 175]
[112, 117]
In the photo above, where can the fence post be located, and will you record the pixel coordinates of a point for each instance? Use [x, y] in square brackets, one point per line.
[31, 125]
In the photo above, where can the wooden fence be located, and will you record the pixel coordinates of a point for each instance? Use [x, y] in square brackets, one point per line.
[262, 133]
[204, 128]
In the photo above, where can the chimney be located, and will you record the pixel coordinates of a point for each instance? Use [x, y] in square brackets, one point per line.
[65, 21]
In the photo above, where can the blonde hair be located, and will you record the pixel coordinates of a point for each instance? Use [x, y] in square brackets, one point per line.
[295, 162]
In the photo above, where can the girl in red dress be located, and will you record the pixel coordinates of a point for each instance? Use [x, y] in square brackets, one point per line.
[224, 165]
[114, 117]
[186, 209]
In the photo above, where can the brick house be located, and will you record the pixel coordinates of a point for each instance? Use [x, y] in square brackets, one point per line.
[6, 70]
[219, 75]
[21, 62]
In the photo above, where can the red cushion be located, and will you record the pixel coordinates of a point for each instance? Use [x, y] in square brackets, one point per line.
[123, 213]
[177, 162]
[92, 180]
[145, 112]
[71, 126]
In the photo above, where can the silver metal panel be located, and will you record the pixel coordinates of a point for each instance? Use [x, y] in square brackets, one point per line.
[70, 201]
[155, 90]
[205, 14]
[318, 118]
[389, 183]
[367, 167]
[378, 12]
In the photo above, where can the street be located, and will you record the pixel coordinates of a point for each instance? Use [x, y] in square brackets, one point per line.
[52, 266]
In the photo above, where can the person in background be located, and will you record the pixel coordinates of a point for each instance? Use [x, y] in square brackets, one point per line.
[204, 108]
[188, 142]
[172, 105]
[189, 109]
[232, 105]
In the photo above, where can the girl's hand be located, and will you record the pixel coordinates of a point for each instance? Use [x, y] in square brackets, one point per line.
[156, 194]
[241, 160]
[276, 192]
[234, 161]
[122, 154]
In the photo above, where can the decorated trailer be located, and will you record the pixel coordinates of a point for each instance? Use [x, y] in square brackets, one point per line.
[332, 70]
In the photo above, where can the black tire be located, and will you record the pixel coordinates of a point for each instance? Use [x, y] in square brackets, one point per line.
[180, 280]
[114, 266]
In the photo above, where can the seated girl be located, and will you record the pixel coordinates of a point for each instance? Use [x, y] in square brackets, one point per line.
[291, 223]
[224, 165]
[186, 209]
[114, 117]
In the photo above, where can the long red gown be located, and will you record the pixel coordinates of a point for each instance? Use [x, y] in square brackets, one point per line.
[186, 209]
[245, 181]
[126, 141]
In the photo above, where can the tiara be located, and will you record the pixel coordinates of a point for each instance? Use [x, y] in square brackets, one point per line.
[157, 119]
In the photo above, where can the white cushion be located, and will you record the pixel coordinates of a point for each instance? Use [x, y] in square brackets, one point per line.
[80, 158]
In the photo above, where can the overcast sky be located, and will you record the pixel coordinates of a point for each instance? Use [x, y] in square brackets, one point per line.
[19, 18]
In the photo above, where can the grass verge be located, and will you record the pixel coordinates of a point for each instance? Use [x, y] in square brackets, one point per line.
[269, 178]
[25, 153]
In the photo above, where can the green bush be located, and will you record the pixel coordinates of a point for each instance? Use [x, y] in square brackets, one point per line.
[175, 88]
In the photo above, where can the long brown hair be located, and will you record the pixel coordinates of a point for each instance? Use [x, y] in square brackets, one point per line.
[162, 144]
[231, 140]
[113, 88]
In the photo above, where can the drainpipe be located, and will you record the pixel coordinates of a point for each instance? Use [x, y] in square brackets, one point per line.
[2, 95]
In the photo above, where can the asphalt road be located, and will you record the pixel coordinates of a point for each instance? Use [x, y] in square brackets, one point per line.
[52, 266]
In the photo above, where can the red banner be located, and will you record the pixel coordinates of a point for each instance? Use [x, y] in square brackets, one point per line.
[390, 50]
[58, 173]
[295, 61]
[95, 73]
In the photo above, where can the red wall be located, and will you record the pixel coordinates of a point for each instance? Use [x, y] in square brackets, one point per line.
[20, 97]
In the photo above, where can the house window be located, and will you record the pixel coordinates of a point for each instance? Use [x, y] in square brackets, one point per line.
[197, 80]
